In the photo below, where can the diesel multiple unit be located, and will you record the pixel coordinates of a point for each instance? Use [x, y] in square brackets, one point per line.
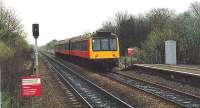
[99, 47]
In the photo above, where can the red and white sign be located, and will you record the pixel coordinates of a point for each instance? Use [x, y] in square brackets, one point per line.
[31, 86]
[131, 51]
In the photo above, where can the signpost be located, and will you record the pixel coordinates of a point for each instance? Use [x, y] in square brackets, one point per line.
[31, 86]
[35, 30]
[131, 52]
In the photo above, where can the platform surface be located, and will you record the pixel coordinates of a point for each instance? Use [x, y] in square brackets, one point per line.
[186, 69]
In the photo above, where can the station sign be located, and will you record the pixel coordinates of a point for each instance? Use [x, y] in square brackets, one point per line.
[31, 86]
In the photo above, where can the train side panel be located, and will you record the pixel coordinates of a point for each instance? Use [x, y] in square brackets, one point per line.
[83, 54]
[80, 52]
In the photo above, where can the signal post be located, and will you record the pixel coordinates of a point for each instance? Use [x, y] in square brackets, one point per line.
[35, 30]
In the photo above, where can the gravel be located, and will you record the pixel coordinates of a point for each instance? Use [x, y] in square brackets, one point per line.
[132, 96]
[54, 93]
[156, 79]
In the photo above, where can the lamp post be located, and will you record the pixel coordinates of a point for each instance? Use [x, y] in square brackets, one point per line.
[35, 30]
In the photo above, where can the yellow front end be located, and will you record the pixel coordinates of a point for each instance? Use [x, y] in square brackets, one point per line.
[104, 54]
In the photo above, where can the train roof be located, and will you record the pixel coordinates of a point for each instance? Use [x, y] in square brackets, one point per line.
[86, 36]
[81, 37]
[62, 41]
[103, 34]
[96, 34]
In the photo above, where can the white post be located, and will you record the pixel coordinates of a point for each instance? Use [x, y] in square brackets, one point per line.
[36, 56]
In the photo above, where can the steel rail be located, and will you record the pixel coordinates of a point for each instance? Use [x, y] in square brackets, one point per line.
[173, 96]
[93, 94]
[68, 84]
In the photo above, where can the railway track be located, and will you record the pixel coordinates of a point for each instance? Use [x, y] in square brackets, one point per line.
[171, 95]
[93, 95]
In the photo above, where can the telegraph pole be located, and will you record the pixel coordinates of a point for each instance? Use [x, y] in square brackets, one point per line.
[35, 30]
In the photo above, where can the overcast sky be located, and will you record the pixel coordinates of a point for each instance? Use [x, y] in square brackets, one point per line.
[61, 19]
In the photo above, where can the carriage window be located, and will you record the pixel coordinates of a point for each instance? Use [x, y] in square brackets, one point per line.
[104, 44]
[66, 46]
[96, 44]
[84, 46]
[113, 45]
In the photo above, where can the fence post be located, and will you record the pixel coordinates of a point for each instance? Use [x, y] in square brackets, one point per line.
[125, 63]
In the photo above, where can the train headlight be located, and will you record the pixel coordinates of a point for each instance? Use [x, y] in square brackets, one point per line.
[113, 55]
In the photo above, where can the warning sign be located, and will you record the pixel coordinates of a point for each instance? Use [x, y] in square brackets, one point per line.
[131, 51]
[31, 86]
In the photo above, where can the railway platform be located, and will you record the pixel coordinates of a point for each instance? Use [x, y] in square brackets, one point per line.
[193, 70]
[185, 74]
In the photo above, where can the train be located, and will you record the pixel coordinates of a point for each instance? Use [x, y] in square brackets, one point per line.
[100, 49]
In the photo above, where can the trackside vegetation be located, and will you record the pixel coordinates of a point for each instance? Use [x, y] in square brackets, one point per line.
[149, 31]
[14, 56]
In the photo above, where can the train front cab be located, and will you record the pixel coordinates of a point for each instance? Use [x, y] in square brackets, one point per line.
[104, 51]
